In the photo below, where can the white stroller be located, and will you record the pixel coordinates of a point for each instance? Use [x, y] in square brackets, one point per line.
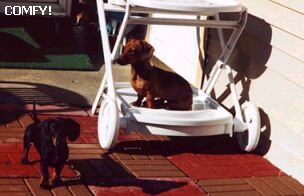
[207, 117]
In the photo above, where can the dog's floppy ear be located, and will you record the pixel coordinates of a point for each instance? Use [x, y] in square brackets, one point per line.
[72, 129]
[47, 127]
[146, 51]
[123, 47]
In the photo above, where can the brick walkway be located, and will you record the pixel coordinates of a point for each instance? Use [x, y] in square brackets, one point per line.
[141, 164]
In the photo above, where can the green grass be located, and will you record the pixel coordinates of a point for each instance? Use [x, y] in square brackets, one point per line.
[42, 49]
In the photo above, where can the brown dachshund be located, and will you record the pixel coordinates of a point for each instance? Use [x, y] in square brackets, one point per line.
[152, 83]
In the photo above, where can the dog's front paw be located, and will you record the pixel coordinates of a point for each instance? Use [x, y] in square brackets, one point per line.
[136, 104]
[45, 186]
[44, 183]
[57, 182]
[25, 161]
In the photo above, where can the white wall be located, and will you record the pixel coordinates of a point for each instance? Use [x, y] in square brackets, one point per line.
[179, 48]
[269, 60]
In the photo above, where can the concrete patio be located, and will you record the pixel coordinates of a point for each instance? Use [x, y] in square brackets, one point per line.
[54, 86]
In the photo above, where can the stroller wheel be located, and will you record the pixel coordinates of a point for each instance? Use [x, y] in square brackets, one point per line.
[108, 123]
[249, 139]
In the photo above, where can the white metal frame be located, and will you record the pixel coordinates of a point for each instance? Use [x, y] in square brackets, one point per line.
[236, 26]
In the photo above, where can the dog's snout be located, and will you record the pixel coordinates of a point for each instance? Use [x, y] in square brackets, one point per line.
[117, 60]
[120, 61]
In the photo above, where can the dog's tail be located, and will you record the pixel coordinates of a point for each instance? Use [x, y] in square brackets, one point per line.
[34, 113]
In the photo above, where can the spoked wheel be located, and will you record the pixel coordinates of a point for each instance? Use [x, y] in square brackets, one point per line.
[108, 123]
[249, 139]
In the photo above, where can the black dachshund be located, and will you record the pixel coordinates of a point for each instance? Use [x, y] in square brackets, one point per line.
[50, 139]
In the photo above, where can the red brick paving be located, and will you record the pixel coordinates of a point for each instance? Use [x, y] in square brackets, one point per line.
[202, 166]
[283, 185]
[149, 186]
[140, 164]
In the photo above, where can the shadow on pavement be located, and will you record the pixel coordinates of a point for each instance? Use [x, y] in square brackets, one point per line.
[43, 94]
[106, 172]
[14, 96]
[221, 144]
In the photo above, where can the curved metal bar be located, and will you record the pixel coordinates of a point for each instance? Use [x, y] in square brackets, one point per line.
[99, 94]
[106, 49]
[121, 31]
